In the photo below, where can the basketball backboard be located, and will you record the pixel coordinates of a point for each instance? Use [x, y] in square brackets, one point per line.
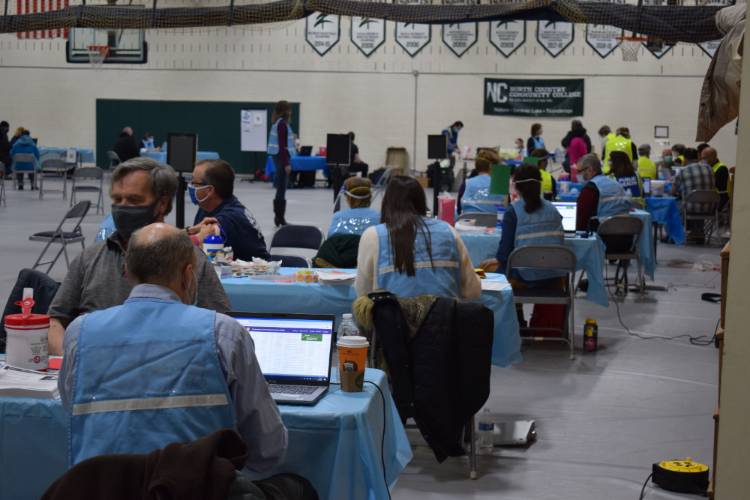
[125, 46]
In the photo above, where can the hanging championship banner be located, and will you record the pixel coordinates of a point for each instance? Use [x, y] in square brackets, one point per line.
[322, 31]
[603, 38]
[554, 98]
[657, 48]
[460, 37]
[367, 34]
[507, 36]
[554, 37]
[413, 37]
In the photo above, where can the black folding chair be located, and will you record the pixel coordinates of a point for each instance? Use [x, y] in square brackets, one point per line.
[296, 240]
[291, 260]
[702, 206]
[55, 167]
[620, 235]
[114, 160]
[88, 180]
[62, 237]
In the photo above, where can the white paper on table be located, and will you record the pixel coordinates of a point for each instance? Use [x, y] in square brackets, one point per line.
[336, 276]
[17, 382]
[494, 285]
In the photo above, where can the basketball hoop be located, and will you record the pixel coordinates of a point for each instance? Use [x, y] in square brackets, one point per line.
[631, 46]
[97, 55]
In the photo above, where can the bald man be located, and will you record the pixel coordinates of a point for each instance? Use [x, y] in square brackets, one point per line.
[127, 146]
[156, 370]
[721, 174]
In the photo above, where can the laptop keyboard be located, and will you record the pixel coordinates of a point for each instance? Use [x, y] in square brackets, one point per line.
[292, 389]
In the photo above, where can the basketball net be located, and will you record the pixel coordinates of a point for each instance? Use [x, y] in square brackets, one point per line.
[630, 46]
[97, 55]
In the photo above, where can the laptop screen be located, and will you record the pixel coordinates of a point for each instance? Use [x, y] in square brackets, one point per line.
[291, 348]
[568, 212]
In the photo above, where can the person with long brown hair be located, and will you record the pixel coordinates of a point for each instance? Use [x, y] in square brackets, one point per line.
[409, 254]
[281, 148]
[624, 172]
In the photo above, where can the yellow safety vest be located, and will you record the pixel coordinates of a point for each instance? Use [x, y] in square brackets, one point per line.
[646, 167]
[718, 165]
[546, 181]
[617, 143]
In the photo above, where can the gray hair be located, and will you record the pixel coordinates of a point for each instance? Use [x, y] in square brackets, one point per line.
[644, 150]
[591, 161]
[158, 261]
[163, 177]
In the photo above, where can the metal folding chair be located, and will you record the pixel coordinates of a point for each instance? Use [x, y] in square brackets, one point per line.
[54, 166]
[481, 219]
[291, 260]
[24, 158]
[114, 160]
[297, 240]
[62, 237]
[555, 259]
[702, 205]
[620, 235]
[88, 174]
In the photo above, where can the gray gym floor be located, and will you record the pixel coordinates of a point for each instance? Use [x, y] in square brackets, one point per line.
[602, 419]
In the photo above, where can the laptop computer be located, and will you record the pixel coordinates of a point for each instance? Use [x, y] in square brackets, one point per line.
[305, 150]
[568, 211]
[294, 352]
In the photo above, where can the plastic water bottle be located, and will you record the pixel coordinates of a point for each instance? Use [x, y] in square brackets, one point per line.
[347, 326]
[500, 215]
[485, 433]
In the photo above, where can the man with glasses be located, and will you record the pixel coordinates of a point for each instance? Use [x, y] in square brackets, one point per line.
[601, 195]
[212, 189]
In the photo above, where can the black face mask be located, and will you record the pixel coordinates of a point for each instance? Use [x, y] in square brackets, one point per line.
[130, 219]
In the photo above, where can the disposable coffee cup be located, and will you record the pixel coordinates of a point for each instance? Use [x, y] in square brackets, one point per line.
[352, 361]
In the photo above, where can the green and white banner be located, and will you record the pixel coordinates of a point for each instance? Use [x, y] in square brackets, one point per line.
[554, 98]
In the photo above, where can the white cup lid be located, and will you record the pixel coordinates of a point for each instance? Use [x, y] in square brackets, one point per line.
[352, 341]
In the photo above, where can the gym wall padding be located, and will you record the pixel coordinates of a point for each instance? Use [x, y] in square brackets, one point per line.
[217, 124]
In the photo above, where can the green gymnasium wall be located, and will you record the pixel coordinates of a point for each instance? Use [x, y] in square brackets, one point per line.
[217, 124]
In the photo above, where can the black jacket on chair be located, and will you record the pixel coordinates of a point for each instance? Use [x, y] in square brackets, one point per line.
[441, 377]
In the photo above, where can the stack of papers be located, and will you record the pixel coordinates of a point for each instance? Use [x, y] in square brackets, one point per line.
[336, 277]
[17, 382]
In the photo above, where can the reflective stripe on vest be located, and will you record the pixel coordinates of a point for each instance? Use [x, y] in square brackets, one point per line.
[150, 367]
[546, 181]
[612, 199]
[719, 165]
[477, 197]
[541, 227]
[439, 276]
[273, 140]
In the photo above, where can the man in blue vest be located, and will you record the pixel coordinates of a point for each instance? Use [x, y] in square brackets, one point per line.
[157, 370]
[601, 196]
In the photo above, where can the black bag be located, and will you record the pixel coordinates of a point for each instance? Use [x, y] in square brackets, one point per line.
[306, 179]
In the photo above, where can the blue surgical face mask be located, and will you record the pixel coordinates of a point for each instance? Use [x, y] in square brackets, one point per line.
[193, 192]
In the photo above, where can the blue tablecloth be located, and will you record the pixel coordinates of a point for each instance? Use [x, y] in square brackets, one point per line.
[257, 295]
[301, 164]
[335, 444]
[589, 257]
[161, 156]
[85, 155]
[666, 212]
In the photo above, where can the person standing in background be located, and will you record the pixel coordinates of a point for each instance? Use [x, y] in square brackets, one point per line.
[605, 134]
[576, 143]
[126, 146]
[452, 134]
[5, 148]
[281, 148]
[536, 141]
[646, 167]
[356, 164]
[549, 185]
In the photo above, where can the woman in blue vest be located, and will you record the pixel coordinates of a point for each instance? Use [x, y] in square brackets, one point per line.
[409, 254]
[358, 193]
[281, 148]
[536, 141]
[476, 196]
[625, 174]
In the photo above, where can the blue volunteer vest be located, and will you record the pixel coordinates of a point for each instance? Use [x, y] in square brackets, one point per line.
[273, 140]
[443, 280]
[353, 221]
[147, 374]
[477, 197]
[541, 227]
[538, 142]
[612, 199]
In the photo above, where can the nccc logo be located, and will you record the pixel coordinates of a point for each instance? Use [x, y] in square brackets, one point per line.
[498, 92]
